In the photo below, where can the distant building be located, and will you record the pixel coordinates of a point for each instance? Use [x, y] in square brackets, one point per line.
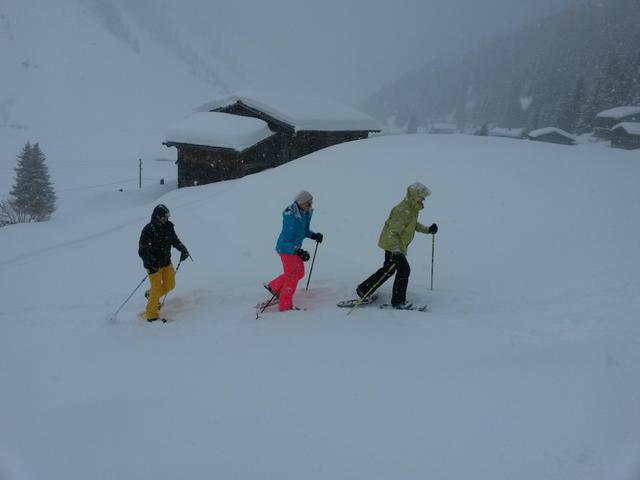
[626, 135]
[276, 129]
[606, 119]
[552, 135]
[447, 128]
[506, 132]
[483, 131]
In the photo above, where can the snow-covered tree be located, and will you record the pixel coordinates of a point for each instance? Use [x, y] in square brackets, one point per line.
[9, 215]
[32, 194]
[412, 126]
[634, 75]
[513, 115]
[571, 107]
[607, 93]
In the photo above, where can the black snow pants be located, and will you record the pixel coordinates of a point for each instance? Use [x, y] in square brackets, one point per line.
[400, 268]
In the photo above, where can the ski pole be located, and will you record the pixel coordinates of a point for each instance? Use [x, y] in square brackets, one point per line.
[129, 297]
[167, 294]
[312, 262]
[375, 285]
[267, 303]
[433, 247]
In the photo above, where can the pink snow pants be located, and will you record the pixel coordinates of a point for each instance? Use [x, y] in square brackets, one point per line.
[287, 283]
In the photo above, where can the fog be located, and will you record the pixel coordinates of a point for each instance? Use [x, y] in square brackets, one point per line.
[347, 49]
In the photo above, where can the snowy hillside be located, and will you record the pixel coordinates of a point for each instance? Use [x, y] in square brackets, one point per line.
[525, 367]
[96, 101]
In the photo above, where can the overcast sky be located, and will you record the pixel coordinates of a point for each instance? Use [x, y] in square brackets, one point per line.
[346, 49]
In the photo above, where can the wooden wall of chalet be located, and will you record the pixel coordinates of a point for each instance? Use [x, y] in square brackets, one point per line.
[267, 154]
[621, 139]
[201, 165]
[306, 142]
[241, 109]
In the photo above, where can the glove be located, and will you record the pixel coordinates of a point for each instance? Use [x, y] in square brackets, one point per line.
[433, 229]
[184, 255]
[151, 269]
[303, 254]
[397, 256]
[317, 237]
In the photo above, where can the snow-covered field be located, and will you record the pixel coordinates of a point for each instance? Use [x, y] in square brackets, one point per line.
[525, 367]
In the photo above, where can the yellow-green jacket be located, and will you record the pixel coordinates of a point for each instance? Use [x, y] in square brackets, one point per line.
[402, 223]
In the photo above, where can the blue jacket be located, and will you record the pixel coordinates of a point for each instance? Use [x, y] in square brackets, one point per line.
[295, 228]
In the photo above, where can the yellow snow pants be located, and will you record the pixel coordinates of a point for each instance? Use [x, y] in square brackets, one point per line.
[162, 282]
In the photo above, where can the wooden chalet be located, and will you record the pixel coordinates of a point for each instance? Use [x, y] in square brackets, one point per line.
[217, 146]
[626, 135]
[607, 119]
[552, 135]
[296, 126]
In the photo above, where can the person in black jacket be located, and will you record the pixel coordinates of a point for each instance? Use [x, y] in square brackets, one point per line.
[154, 248]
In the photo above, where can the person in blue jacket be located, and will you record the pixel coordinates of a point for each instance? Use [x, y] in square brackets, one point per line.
[296, 219]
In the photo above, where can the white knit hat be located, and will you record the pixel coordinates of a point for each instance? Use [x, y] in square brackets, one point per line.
[303, 197]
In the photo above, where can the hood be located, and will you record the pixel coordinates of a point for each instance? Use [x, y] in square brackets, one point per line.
[415, 192]
[159, 211]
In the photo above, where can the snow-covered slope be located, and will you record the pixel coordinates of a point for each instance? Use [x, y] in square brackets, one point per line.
[524, 368]
[95, 102]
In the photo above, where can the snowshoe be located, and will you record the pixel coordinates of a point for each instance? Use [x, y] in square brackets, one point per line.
[358, 301]
[404, 306]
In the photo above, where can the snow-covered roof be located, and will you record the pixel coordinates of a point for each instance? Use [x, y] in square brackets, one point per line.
[630, 127]
[506, 132]
[546, 130]
[619, 112]
[301, 112]
[216, 129]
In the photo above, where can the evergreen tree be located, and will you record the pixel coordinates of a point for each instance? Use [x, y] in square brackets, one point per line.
[33, 193]
[513, 115]
[569, 114]
[460, 115]
[412, 126]
[612, 84]
[632, 80]
[534, 119]
[606, 94]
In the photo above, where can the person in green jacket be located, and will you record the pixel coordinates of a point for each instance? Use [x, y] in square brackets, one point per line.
[395, 238]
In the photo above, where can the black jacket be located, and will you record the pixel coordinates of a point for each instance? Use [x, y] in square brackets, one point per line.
[155, 244]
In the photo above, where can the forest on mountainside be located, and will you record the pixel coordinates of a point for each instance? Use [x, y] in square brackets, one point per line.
[560, 70]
